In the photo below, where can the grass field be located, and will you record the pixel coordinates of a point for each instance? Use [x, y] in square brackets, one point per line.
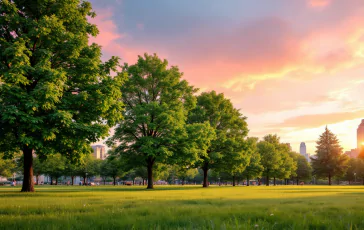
[188, 207]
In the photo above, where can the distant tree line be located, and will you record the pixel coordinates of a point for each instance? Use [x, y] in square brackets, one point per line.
[57, 97]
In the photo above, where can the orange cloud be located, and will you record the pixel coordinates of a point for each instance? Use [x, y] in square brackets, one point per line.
[317, 120]
[318, 3]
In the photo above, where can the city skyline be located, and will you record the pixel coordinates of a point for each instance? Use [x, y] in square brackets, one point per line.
[307, 75]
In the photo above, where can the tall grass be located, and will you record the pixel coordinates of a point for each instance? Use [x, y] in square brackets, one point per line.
[188, 207]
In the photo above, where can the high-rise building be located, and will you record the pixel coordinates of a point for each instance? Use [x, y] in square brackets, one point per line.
[303, 148]
[303, 151]
[99, 151]
[360, 135]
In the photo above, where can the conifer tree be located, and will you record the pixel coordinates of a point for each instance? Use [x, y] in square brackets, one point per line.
[329, 160]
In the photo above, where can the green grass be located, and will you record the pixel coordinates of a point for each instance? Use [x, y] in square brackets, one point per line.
[189, 207]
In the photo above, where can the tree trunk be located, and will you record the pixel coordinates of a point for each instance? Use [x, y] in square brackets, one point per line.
[133, 181]
[51, 180]
[114, 178]
[297, 181]
[143, 182]
[183, 181]
[274, 181]
[267, 181]
[363, 181]
[84, 180]
[72, 179]
[205, 181]
[247, 181]
[56, 180]
[28, 183]
[329, 179]
[37, 179]
[150, 164]
[233, 180]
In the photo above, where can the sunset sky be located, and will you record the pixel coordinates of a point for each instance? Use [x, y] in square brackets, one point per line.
[292, 67]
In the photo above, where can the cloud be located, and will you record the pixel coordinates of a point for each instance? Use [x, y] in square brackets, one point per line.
[319, 3]
[112, 41]
[317, 120]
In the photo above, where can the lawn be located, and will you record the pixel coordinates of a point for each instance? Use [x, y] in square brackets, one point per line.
[188, 207]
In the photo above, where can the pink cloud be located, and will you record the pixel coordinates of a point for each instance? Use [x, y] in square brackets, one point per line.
[111, 40]
[319, 3]
[317, 120]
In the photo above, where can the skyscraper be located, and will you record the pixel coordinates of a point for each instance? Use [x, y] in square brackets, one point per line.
[303, 149]
[99, 152]
[360, 135]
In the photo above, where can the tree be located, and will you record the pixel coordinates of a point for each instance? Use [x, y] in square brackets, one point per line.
[38, 169]
[71, 170]
[183, 173]
[329, 160]
[255, 168]
[230, 128]
[350, 174]
[54, 167]
[7, 166]
[271, 159]
[360, 169]
[303, 168]
[56, 96]
[288, 166]
[157, 102]
[111, 167]
[238, 157]
[89, 167]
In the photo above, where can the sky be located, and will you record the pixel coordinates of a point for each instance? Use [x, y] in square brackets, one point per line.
[291, 67]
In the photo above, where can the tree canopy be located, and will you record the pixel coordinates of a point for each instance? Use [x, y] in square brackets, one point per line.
[329, 160]
[56, 95]
[157, 102]
[231, 131]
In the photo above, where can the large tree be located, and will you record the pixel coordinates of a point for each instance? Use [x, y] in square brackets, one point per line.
[271, 158]
[157, 102]
[56, 95]
[231, 131]
[329, 160]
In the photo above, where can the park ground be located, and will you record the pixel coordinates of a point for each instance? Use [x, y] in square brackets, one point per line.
[187, 207]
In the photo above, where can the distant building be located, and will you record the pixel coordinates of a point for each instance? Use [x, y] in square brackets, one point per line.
[360, 135]
[303, 151]
[352, 153]
[303, 148]
[99, 152]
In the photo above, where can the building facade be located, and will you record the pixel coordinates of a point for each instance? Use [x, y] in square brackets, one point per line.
[99, 151]
[303, 151]
[360, 136]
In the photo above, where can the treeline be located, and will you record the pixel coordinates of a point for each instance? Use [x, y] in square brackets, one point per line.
[57, 97]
